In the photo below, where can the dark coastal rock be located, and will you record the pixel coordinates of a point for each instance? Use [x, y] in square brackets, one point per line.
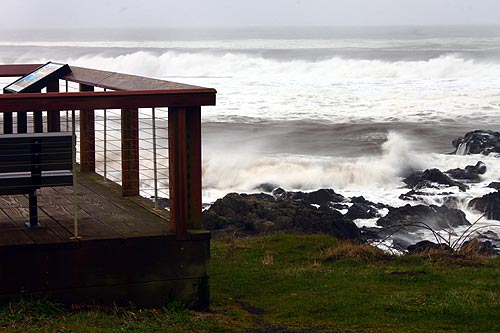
[418, 217]
[339, 206]
[425, 179]
[488, 204]
[477, 142]
[319, 197]
[470, 173]
[426, 246]
[494, 185]
[362, 200]
[266, 187]
[361, 211]
[482, 247]
[255, 214]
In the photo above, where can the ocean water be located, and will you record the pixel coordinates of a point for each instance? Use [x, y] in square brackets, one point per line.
[351, 109]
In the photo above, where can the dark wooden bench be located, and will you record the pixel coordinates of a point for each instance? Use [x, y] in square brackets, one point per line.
[31, 161]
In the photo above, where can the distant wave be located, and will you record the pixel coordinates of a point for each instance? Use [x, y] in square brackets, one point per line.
[175, 64]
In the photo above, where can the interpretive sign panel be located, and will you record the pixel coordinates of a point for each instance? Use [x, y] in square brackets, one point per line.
[38, 79]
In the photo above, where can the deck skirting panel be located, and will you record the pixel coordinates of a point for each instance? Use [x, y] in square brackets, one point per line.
[145, 271]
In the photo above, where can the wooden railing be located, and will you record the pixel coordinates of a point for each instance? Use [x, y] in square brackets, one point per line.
[127, 93]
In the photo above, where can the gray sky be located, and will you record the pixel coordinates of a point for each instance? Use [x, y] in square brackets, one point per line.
[223, 13]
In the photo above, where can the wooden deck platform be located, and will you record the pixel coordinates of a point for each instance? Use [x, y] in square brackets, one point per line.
[126, 252]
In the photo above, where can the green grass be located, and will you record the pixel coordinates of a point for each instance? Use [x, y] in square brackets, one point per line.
[304, 283]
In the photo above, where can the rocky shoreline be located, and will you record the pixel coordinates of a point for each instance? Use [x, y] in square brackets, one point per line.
[325, 211]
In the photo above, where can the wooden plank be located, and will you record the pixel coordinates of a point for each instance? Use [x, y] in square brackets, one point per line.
[10, 233]
[17, 69]
[60, 207]
[120, 213]
[87, 136]
[106, 100]
[118, 81]
[130, 152]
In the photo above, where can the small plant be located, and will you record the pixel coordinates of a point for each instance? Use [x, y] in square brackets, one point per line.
[347, 250]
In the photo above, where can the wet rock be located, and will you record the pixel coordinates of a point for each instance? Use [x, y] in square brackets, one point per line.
[266, 187]
[362, 200]
[470, 173]
[319, 197]
[488, 204]
[339, 206]
[477, 142]
[426, 179]
[426, 246]
[361, 211]
[279, 193]
[255, 214]
[495, 185]
[414, 218]
[485, 248]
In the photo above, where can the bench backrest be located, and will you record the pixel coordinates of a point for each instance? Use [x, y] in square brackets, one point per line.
[52, 151]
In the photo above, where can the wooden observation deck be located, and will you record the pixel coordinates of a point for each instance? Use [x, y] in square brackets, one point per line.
[99, 240]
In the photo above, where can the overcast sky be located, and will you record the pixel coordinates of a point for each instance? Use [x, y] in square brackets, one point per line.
[223, 13]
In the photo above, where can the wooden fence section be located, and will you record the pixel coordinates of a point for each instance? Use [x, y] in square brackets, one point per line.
[128, 93]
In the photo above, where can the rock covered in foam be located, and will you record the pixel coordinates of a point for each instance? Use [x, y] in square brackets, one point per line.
[414, 218]
[259, 213]
[488, 204]
[470, 173]
[478, 142]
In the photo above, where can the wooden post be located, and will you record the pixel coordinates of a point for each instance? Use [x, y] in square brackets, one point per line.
[37, 122]
[184, 147]
[53, 117]
[7, 122]
[130, 152]
[87, 136]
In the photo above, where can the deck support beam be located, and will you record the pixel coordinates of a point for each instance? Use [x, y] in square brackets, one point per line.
[184, 142]
[130, 152]
[87, 136]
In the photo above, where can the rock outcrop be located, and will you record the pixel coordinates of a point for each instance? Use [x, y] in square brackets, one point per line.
[488, 204]
[260, 213]
[470, 173]
[478, 142]
[419, 217]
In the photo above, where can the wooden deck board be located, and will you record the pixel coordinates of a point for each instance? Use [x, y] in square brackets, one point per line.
[102, 214]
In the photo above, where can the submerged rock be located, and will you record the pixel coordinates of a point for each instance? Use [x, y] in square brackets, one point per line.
[255, 214]
[488, 204]
[426, 179]
[470, 173]
[477, 142]
[413, 218]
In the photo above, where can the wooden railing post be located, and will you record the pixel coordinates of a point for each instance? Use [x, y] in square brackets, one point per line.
[184, 147]
[130, 152]
[53, 117]
[87, 136]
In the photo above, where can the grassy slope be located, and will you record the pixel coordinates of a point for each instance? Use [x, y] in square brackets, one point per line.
[299, 283]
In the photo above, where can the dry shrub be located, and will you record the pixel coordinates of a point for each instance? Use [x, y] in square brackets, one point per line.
[347, 250]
